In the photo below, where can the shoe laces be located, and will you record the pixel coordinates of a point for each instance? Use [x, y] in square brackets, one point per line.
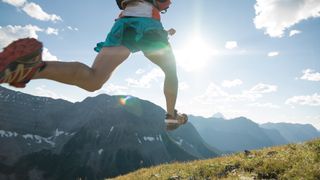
[18, 75]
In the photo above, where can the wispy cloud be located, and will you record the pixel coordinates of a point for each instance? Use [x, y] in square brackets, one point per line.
[278, 15]
[310, 75]
[273, 54]
[140, 71]
[43, 91]
[46, 55]
[212, 94]
[16, 3]
[146, 80]
[73, 28]
[114, 89]
[231, 44]
[11, 33]
[265, 105]
[183, 86]
[33, 10]
[215, 93]
[231, 83]
[294, 32]
[307, 100]
[51, 30]
[262, 88]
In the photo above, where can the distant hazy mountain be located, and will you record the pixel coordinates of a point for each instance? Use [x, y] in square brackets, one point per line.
[294, 132]
[231, 135]
[218, 115]
[241, 133]
[43, 138]
[190, 140]
[275, 136]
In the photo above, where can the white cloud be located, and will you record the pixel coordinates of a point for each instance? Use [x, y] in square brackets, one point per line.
[215, 94]
[294, 32]
[72, 29]
[146, 80]
[212, 94]
[310, 75]
[265, 105]
[113, 89]
[263, 88]
[140, 71]
[46, 55]
[43, 91]
[275, 16]
[308, 100]
[231, 83]
[35, 11]
[16, 3]
[255, 92]
[272, 54]
[183, 86]
[214, 90]
[231, 44]
[314, 120]
[50, 31]
[11, 33]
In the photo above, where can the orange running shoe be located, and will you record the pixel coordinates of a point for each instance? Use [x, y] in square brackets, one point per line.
[20, 61]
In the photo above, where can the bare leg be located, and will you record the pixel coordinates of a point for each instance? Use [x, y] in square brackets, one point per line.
[166, 61]
[78, 74]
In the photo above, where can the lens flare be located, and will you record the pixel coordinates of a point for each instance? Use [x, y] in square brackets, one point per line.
[131, 105]
[123, 100]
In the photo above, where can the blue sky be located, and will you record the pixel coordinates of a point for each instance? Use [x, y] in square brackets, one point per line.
[254, 58]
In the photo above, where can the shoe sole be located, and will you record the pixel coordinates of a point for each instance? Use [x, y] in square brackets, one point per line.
[21, 51]
[172, 124]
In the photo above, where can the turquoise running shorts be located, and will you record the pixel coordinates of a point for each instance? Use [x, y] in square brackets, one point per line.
[137, 34]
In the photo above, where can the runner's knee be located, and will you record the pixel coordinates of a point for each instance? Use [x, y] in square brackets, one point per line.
[94, 86]
[169, 71]
[96, 83]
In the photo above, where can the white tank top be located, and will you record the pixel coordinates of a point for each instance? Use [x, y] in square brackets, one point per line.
[139, 9]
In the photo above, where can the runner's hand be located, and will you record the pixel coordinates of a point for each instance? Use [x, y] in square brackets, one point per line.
[171, 31]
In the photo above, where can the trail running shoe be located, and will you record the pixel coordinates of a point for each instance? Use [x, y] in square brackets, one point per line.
[176, 120]
[20, 61]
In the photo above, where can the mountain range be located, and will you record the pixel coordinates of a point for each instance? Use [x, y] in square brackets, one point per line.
[241, 134]
[44, 138]
[106, 136]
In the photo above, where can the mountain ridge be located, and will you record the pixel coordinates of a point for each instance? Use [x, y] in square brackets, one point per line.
[56, 139]
[241, 133]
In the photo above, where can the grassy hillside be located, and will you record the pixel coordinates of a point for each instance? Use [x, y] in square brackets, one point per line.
[293, 161]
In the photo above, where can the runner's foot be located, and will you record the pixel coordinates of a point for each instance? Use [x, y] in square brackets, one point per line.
[20, 61]
[176, 120]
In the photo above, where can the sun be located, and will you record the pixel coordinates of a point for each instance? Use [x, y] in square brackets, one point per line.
[195, 54]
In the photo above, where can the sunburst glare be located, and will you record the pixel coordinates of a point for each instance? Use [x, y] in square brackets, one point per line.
[194, 56]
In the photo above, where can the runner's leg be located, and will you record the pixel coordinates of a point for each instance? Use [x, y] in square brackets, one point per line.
[166, 61]
[78, 74]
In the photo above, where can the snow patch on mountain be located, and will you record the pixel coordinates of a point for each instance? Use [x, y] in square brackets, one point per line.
[152, 139]
[8, 134]
[111, 129]
[100, 151]
[35, 138]
[179, 142]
